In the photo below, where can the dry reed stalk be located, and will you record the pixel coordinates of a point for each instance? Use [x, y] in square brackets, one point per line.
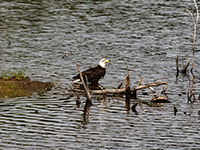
[195, 26]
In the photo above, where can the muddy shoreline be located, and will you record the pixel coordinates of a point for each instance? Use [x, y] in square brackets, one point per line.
[13, 87]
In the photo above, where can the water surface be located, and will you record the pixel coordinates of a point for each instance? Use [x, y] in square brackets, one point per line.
[146, 35]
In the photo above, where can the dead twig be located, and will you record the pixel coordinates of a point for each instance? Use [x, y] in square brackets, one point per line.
[140, 82]
[119, 86]
[165, 89]
[66, 54]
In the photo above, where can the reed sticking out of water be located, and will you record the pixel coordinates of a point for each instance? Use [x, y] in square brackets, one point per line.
[191, 81]
[194, 40]
[195, 26]
[190, 93]
[185, 68]
[175, 110]
[128, 91]
[177, 69]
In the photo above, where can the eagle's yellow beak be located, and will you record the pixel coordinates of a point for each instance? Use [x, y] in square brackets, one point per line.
[107, 61]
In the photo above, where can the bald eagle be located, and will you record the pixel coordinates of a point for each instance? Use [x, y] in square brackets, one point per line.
[93, 74]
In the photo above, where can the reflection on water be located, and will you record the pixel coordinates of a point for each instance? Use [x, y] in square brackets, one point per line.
[145, 35]
[86, 112]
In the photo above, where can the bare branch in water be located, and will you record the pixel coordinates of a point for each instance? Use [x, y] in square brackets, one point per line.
[85, 87]
[66, 54]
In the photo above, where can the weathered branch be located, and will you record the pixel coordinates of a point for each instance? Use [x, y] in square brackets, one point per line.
[160, 99]
[85, 88]
[140, 82]
[165, 87]
[117, 91]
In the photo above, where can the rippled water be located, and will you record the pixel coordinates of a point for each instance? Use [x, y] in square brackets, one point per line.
[146, 35]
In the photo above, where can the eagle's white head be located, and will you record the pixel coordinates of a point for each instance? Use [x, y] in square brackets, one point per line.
[103, 62]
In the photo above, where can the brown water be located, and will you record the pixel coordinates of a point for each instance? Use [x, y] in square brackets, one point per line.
[146, 35]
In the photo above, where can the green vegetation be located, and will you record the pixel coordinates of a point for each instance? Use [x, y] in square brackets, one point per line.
[16, 84]
[19, 75]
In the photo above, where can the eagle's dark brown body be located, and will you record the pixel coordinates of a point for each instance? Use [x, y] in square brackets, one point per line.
[93, 74]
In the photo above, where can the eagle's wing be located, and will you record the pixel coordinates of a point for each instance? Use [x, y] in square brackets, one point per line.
[94, 74]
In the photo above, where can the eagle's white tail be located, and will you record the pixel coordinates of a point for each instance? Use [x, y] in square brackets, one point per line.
[76, 80]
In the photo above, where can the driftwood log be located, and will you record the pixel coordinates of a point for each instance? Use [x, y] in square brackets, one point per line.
[122, 90]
